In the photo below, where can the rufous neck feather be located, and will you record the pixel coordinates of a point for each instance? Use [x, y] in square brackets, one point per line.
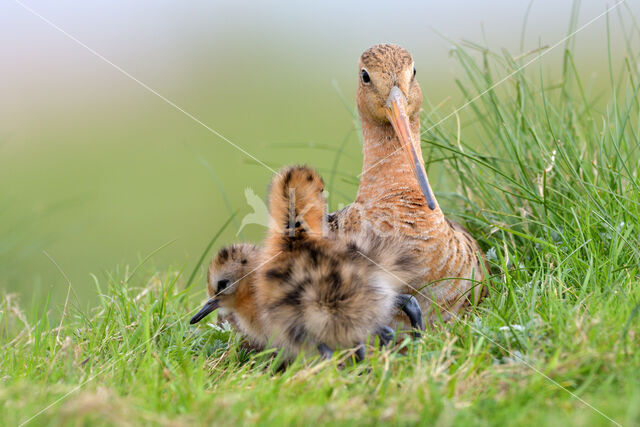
[384, 160]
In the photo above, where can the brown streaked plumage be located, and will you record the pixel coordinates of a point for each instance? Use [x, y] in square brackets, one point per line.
[322, 293]
[230, 284]
[305, 291]
[394, 193]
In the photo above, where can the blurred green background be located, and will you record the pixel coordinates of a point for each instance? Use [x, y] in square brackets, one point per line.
[98, 171]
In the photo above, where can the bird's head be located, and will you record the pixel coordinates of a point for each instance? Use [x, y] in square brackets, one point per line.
[387, 75]
[229, 272]
[388, 94]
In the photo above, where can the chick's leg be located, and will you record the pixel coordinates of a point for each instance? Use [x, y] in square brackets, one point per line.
[325, 351]
[386, 335]
[359, 354]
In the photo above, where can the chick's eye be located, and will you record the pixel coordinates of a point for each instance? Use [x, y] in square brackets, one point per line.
[414, 71]
[365, 76]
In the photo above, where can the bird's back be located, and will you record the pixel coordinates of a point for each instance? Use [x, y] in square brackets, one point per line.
[453, 263]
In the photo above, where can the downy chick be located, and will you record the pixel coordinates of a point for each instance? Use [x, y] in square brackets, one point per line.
[327, 293]
[230, 284]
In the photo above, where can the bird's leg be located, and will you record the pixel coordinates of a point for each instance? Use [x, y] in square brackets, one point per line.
[410, 306]
[325, 351]
[282, 367]
[386, 335]
[359, 354]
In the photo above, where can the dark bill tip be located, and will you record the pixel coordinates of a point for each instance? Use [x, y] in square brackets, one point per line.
[209, 306]
[422, 180]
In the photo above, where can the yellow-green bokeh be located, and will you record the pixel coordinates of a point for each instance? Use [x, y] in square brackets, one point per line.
[98, 171]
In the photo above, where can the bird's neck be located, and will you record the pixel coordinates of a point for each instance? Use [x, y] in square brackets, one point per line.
[386, 171]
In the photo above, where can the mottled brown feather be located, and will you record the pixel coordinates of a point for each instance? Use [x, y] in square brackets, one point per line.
[320, 290]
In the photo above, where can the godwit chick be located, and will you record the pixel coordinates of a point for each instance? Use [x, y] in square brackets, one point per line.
[323, 293]
[230, 284]
[394, 192]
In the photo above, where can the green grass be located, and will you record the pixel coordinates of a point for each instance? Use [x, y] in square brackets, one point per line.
[544, 173]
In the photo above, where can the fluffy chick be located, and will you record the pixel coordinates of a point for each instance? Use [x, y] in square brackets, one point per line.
[230, 284]
[321, 292]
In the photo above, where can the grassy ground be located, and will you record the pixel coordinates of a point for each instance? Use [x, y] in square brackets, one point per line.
[544, 173]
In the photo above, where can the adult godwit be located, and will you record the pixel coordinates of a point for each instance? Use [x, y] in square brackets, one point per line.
[394, 193]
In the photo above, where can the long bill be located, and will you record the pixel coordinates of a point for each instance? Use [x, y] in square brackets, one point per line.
[396, 111]
[208, 307]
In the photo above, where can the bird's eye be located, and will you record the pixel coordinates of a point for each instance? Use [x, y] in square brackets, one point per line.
[222, 284]
[414, 71]
[365, 76]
